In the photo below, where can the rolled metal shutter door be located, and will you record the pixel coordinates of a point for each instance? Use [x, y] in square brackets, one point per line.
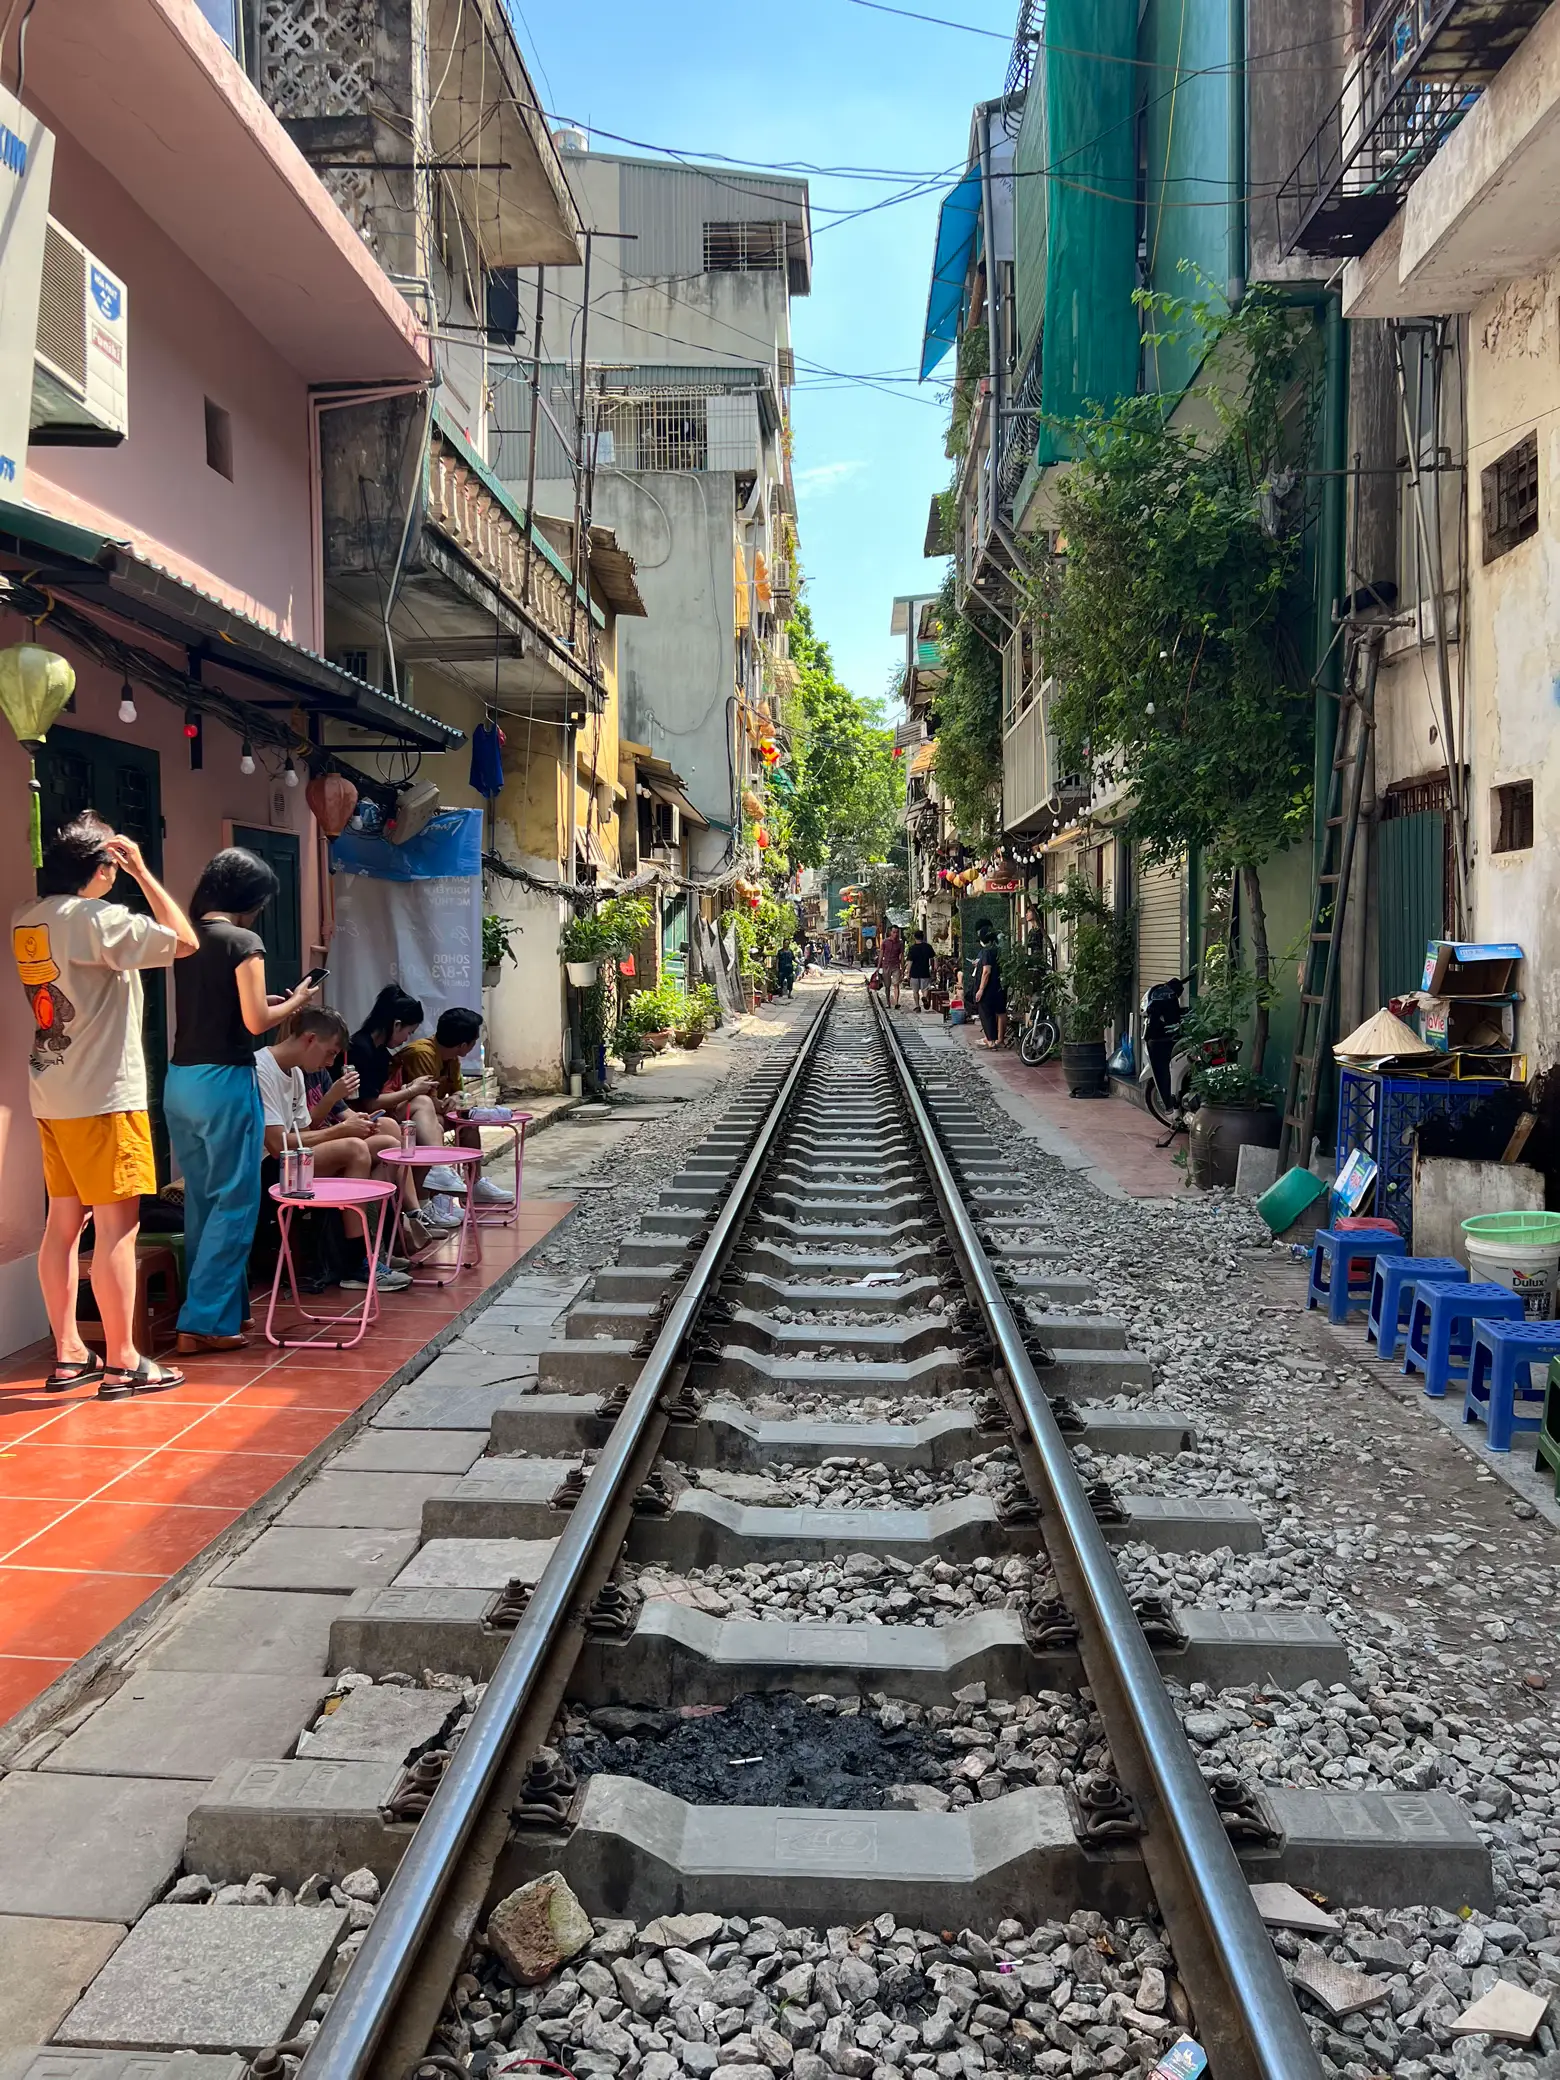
[1161, 925]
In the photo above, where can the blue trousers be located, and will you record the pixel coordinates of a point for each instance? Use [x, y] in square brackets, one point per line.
[217, 1131]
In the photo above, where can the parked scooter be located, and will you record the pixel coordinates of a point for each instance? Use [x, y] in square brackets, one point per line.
[1169, 1061]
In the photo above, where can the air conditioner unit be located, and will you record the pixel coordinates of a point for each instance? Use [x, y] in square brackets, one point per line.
[81, 367]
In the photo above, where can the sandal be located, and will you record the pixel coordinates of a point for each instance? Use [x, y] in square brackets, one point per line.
[74, 1372]
[148, 1377]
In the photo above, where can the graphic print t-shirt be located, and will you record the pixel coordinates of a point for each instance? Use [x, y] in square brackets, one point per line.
[78, 958]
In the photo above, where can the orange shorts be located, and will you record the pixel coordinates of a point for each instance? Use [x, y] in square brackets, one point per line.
[98, 1160]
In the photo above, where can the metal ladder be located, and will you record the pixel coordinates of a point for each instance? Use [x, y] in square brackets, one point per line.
[1329, 900]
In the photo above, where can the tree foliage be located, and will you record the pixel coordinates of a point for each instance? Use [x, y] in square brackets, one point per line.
[969, 719]
[838, 801]
[1167, 624]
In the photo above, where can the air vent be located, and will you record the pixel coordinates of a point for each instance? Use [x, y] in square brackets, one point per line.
[62, 333]
[787, 356]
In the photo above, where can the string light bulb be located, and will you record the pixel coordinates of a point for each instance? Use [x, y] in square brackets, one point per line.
[246, 762]
[127, 709]
[290, 773]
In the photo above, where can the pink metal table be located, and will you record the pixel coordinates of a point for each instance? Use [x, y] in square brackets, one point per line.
[514, 1126]
[347, 1196]
[468, 1252]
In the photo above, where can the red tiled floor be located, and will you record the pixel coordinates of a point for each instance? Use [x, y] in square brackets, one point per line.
[65, 1472]
[101, 1537]
[21, 1680]
[1116, 1135]
[62, 1614]
[100, 1502]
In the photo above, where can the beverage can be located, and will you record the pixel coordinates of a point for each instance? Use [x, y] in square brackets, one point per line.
[297, 1173]
[408, 1137]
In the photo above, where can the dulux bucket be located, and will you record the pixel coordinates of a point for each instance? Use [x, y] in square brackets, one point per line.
[1520, 1251]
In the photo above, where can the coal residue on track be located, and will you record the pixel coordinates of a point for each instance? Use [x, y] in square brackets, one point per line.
[759, 1751]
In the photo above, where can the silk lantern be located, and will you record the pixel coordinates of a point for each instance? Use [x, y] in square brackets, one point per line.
[35, 684]
[331, 798]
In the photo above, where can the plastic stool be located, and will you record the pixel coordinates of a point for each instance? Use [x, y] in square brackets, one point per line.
[1499, 1353]
[1548, 1453]
[1336, 1253]
[1391, 1292]
[1440, 1327]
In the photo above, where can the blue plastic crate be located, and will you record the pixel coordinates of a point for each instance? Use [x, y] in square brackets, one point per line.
[1380, 1114]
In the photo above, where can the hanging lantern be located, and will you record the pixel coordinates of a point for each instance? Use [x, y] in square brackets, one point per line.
[35, 684]
[753, 803]
[761, 839]
[331, 798]
[770, 754]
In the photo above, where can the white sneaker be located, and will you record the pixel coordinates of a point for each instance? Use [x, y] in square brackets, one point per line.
[424, 1227]
[448, 1212]
[489, 1192]
[441, 1178]
[387, 1281]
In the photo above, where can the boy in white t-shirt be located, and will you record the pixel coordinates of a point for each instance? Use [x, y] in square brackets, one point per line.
[313, 1038]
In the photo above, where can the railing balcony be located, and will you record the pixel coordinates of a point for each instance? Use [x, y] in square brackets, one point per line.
[1034, 788]
[1423, 65]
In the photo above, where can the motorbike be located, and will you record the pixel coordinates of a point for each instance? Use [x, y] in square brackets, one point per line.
[1169, 1063]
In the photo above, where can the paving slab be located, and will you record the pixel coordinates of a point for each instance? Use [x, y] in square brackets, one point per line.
[294, 1818]
[246, 1632]
[637, 1852]
[57, 2062]
[476, 1563]
[89, 1848]
[173, 1723]
[408, 1451]
[365, 1501]
[384, 1723]
[209, 1979]
[296, 1556]
[427, 1405]
[45, 1967]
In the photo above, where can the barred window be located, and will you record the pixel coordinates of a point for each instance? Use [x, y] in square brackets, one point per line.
[1510, 498]
[745, 248]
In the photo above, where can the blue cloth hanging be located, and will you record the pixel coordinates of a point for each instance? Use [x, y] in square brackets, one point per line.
[487, 759]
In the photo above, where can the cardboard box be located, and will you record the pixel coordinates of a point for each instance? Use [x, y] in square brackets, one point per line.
[1458, 968]
[1450, 1024]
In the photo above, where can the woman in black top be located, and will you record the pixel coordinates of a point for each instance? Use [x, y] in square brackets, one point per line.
[391, 1022]
[211, 1100]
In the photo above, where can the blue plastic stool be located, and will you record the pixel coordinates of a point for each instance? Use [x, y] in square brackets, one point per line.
[1440, 1328]
[1501, 1351]
[1390, 1290]
[1336, 1253]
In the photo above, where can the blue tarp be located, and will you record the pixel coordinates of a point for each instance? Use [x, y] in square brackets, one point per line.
[449, 844]
[958, 223]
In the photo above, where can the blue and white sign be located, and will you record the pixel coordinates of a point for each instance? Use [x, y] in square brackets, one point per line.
[26, 169]
[107, 294]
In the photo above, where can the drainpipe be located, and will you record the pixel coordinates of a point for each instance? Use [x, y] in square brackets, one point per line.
[1235, 223]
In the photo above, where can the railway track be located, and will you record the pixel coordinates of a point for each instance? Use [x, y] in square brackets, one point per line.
[839, 1297]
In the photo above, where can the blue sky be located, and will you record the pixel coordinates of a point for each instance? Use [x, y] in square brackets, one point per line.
[834, 84]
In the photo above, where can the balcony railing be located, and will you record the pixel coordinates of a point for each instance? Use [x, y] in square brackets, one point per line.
[1423, 66]
[1032, 784]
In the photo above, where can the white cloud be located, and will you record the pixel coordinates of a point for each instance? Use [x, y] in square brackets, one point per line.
[826, 476]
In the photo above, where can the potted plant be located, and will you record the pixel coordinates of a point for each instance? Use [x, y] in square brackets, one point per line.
[583, 945]
[1100, 972]
[498, 935]
[1238, 1109]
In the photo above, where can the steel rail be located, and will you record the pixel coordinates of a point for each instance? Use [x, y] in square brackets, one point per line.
[1249, 2023]
[350, 2033]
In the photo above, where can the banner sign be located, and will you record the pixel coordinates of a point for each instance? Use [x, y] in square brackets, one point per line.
[410, 914]
[26, 169]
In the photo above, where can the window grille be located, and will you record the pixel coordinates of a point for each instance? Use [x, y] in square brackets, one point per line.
[1512, 817]
[1510, 498]
[758, 248]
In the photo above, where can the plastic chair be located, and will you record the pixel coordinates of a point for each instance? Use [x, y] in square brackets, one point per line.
[1391, 1293]
[1440, 1328]
[1335, 1253]
[1499, 1376]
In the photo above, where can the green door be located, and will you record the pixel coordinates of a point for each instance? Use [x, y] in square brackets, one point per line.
[1412, 856]
[281, 921]
[123, 782]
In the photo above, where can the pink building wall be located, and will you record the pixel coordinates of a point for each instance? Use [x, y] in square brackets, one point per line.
[248, 541]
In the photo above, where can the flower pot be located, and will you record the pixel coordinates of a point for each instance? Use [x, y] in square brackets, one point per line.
[583, 973]
[1083, 1064]
[1217, 1135]
[633, 1061]
[657, 1043]
[491, 971]
[691, 1039]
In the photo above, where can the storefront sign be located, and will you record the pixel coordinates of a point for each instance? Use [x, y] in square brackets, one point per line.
[26, 168]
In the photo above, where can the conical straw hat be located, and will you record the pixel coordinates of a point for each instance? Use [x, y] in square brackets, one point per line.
[1380, 1037]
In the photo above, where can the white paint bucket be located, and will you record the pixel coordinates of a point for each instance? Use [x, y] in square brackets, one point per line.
[1520, 1251]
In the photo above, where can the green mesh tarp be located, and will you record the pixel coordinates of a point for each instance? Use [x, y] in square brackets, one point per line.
[1076, 152]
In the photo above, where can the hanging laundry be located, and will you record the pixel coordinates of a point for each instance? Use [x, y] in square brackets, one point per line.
[487, 759]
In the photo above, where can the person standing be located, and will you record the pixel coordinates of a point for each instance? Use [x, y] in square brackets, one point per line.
[920, 967]
[211, 1099]
[80, 957]
[785, 968]
[990, 997]
[892, 961]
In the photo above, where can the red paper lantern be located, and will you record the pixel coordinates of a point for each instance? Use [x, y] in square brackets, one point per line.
[331, 798]
[761, 839]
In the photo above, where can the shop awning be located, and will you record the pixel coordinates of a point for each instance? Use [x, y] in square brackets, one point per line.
[666, 787]
[958, 222]
[925, 757]
[98, 572]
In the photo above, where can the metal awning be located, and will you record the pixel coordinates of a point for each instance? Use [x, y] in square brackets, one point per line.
[925, 758]
[665, 788]
[97, 571]
[958, 222]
